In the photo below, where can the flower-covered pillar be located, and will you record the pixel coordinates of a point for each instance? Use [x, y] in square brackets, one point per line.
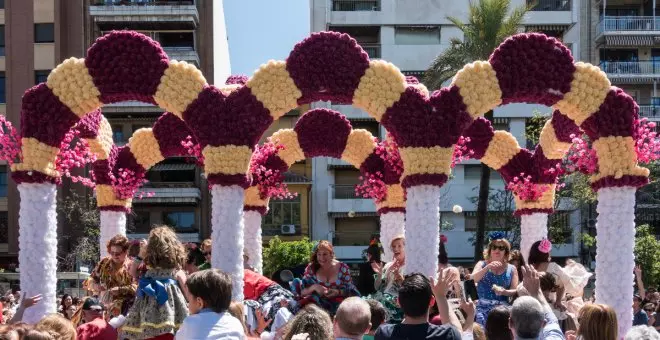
[254, 208]
[392, 212]
[530, 175]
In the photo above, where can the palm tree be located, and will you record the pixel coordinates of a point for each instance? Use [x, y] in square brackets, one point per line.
[489, 23]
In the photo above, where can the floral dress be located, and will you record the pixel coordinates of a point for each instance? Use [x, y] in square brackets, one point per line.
[389, 292]
[344, 284]
[119, 289]
[159, 307]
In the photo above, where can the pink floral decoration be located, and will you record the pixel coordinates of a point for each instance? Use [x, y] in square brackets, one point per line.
[269, 179]
[523, 187]
[194, 150]
[126, 184]
[373, 184]
[545, 246]
[74, 153]
[10, 142]
[647, 144]
[461, 151]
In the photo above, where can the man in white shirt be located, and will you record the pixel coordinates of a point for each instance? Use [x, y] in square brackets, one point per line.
[531, 316]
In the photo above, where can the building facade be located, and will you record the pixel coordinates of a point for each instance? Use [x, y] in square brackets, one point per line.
[410, 34]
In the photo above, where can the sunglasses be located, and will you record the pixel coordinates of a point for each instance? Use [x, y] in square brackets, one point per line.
[116, 253]
[502, 248]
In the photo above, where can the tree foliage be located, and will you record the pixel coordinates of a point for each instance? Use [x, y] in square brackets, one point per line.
[647, 255]
[82, 213]
[280, 254]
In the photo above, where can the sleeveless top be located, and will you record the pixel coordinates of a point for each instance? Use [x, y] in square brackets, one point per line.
[485, 285]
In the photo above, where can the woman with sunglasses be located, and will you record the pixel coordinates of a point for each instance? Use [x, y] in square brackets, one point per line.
[496, 279]
[111, 279]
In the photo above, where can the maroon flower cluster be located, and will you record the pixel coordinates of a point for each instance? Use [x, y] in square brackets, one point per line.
[127, 174]
[617, 116]
[267, 172]
[44, 117]
[126, 65]
[171, 132]
[322, 132]
[88, 126]
[327, 66]
[533, 68]
[377, 175]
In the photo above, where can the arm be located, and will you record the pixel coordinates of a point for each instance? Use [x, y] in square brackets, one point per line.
[181, 279]
[308, 277]
[469, 309]
[640, 283]
[26, 302]
[479, 271]
[440, 291]
[380, 275]
[513, 288]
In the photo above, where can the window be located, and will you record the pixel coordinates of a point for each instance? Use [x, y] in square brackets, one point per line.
[495, 220]
[44, 33]
[369, 125]
[473, 172]
[3, 181]
[424, 35]
[2, 88]
[560, 227]
[41, 76]
[178, 40]
[180, 220]
[2, 40]
[282, 212]
[4, 227]
[2, 4]
[118, 134]
[141, 222]
[355, 231]
[139, 126]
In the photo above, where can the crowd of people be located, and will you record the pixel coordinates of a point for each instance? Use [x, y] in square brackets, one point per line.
[161, 289]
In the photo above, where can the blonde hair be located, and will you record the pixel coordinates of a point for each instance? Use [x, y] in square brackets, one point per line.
[164, 250]
[57, 327]
[396, 238]
[597, 322]
[236, 309]
[206, 244]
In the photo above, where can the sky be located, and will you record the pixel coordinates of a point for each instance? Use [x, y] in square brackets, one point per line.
[260, 30]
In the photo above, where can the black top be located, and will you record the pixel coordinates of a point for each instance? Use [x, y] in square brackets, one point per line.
[416, 332]
[365, 282]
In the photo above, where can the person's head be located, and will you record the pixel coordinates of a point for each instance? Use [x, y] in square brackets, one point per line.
[311, 320]
[237, 310]
[649, 308]
[415, 295]
[398, 246]
[61, 328]
[209, 288]
[527, 318]
[40, 335]
[134, 248]
[373, 253]
[66, 301]
[642, 333]
[539, 253]
[322, 255]
[164, 250]
[517, 260]
[70, 311]
[442, 255]
[353, 318]
[206, 249]
[637, 302]
[654, 297]
[548, 284]
[497, 324]
[478, 332]
[498, 250]
[378, 314]
[91, 309]
[118, 248]
[15, 331]
[597, 322]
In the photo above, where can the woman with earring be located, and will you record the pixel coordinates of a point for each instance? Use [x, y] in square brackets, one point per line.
[496, 279]
[388, 280]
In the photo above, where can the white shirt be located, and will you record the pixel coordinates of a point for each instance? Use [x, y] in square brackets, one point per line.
[208, 325]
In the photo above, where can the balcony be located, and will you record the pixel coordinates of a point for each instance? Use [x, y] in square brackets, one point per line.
[628, 30]
[144, 14]
[170, 193]
[342, 198]
[334, 163]
[355, 5]
[373, 50]
[631, 71]
[187, 54]
[550, 5]
[652, 112]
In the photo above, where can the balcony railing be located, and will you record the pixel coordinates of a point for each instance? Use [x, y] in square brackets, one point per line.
[649, 111]
[344, 191]
[356, 5]
[550, 5]
[141, 2]
[628, 23]
[373, 50]
[636, 68]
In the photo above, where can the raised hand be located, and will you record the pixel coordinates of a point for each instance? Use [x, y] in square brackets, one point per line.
[27, 302]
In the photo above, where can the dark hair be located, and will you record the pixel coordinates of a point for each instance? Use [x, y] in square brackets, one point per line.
[517, 256]
[311, 320]
[62, 302]
[378, 313]
[442, 255]
[374, 251]
[134, 248]
[213, 287]
[415, 294]
[195, 256]
[536, 256]
[548, 282]
[497, 324]
[118, 241]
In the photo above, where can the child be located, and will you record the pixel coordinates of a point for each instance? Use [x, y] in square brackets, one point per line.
[209, 294]
[160, 305]
[378, 317]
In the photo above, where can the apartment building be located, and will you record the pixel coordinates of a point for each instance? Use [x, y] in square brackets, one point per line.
[410, 33]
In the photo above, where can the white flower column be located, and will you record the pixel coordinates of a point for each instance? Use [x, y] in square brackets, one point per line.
[37, 242]
[391, 224]
[112, 223]
[422, 229]
[533, 227]
[615, 261]
[253, 242]
[227, 234]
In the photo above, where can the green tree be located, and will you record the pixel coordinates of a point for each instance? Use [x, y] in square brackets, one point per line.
[488, 24]
[647, 255]
[81, 212]
[280, 254]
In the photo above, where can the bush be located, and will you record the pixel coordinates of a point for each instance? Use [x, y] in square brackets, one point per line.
[279, 254]
[647, 253]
